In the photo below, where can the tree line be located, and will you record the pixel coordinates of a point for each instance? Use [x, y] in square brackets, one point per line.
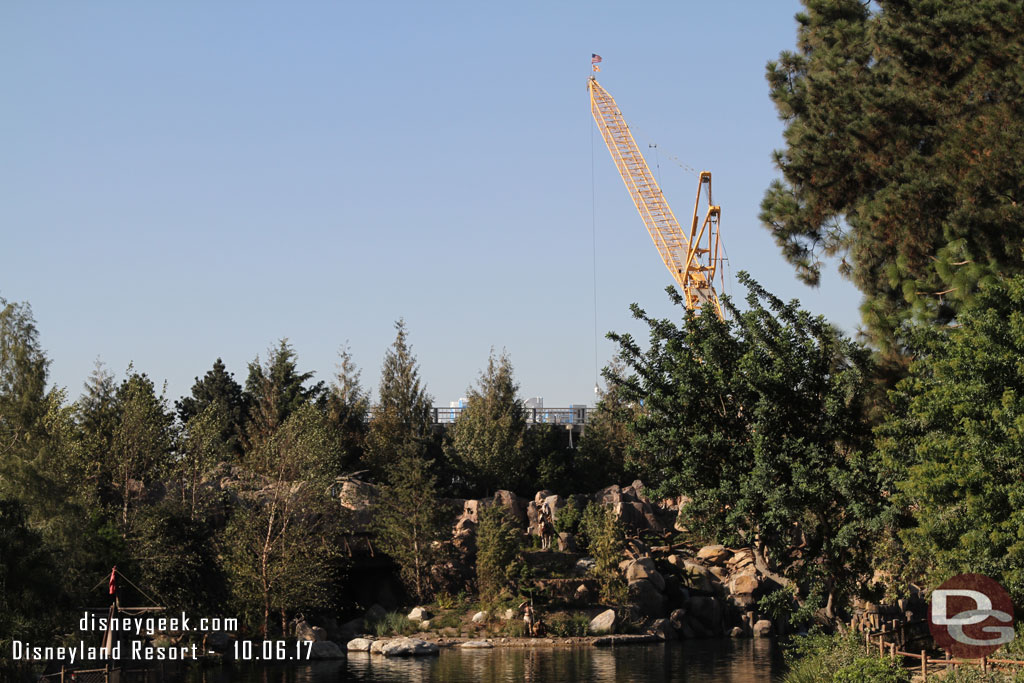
[121, 476]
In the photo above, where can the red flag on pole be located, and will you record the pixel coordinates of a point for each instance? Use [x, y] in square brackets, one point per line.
[113, 580]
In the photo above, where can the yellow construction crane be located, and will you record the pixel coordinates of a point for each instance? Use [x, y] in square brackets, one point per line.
[691, 258]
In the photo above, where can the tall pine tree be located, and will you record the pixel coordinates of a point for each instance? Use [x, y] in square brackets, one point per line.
[902, 125]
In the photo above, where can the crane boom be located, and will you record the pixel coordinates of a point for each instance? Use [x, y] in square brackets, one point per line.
[691, 257]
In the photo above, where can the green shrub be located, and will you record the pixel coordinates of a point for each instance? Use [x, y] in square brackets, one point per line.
[445, 620]
[568, 519]
[499, 561]
[839, 658]
[568, 625]
[394, 624]
[604, 542]
[514, 628]
[871, 669]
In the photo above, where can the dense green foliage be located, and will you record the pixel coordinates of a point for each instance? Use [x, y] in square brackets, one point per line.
[603, 537]
[759, 420]
[602, 456]
[955, 442]
[839, 658]
[401, 423]
[901, 158]
[499, 563]
[218, 391]
[489, 442]
[411, 523]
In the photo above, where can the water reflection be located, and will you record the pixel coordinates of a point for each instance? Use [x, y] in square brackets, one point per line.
[728, 661]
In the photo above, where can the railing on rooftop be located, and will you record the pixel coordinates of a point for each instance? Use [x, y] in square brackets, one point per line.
[575, 415]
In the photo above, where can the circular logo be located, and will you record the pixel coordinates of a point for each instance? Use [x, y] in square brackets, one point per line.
[971, 616]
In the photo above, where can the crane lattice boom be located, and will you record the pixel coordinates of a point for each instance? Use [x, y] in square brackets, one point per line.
[692, 257]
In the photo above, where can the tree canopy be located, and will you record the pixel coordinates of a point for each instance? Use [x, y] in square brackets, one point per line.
[954, 441]
[759, 421]
[488, 441]
[902, 120]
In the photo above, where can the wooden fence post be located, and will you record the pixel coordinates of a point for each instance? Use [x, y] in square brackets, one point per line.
[924, 665]
[892, 652]
[984, 665]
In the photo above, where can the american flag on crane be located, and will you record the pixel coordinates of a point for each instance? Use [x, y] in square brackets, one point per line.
[595, 59]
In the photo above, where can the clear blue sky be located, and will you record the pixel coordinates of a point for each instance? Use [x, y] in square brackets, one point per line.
[187, 180]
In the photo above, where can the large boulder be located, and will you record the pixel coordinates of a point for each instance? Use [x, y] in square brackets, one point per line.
[409, 647]
[741, 561]
[358, 497]
[662, 628]
[762, 628]
[513, 503]
[714, 554]
[644, 569]
[609, 495]
[647, 598]
[555, 503]
[602, 623]
[697, 575]
[359, 645]
[418, 614]
[477, 645]
[744, 584]
[707, 612]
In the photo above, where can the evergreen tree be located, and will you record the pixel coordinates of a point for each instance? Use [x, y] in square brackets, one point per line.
[488, 443]
[760, 421]
[902, 118]
[348, 407]
[27, 581]
[499, 562]
[218, 387]
[23, 373]
[401, 423]
[602, 451]
[275, 390]
[954, 443]
[411, 524]
[97, 414]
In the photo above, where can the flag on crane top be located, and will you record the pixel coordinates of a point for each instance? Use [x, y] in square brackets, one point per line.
[595, 59]
[113, 580]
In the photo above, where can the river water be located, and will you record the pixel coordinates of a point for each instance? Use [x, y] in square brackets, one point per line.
[693, 661]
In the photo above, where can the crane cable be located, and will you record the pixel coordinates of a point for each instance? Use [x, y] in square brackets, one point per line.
[593, 243]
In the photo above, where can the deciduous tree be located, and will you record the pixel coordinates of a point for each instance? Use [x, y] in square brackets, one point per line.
[760, 421]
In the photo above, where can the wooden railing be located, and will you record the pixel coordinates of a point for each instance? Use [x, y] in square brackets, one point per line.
[924, 661]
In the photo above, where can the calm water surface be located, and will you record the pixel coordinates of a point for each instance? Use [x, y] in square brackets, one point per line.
[735, 661]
